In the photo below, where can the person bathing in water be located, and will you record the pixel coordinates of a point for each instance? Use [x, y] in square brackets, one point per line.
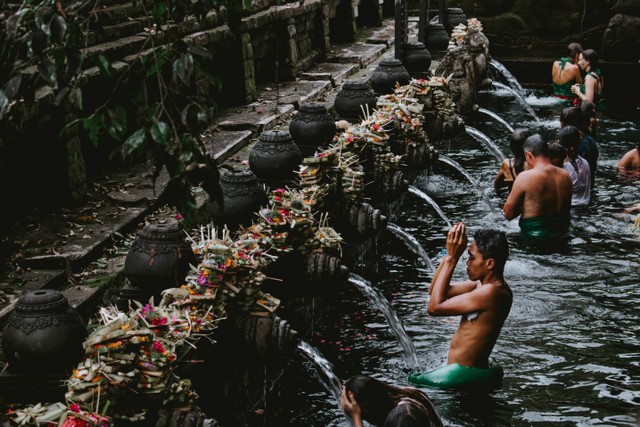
[565, 73]
[483, 301]
[381, 404]
[541, 195]
[590, 89]
[512, 166]
[629, 164]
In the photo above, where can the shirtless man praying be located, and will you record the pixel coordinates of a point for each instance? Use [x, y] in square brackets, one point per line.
[483, 301]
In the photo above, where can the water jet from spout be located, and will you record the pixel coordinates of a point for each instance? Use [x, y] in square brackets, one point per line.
[449, 161]
[410, 353]
[520, 98]
[424, 196]
[497, 118]
[412, 243]
[487, 142]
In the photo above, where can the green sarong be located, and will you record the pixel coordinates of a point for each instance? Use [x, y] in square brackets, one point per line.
[544, 227]
[458, 376]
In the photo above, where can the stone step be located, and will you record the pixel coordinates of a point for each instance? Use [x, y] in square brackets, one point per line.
[116, 14]
[223, 144]
[256, 117]
[294, 92]
[334, 72]
[113, 50]
[362, 54]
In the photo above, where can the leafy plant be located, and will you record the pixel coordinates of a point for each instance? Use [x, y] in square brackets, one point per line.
[42, 45]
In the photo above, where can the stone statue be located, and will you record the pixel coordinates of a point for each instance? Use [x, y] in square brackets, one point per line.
[466, 66]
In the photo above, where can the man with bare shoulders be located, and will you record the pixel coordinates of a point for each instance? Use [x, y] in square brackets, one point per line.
[541, 194]
[483, 301]
[565, 73]
[629, 164]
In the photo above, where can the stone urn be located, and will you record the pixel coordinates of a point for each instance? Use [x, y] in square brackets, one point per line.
[312, 127]
[355, 96]
[43, 335]
[417, 59]
[436, 37]
[387, 75]
[242, 197]
[455, 16]
[158, 259]
[275, 158]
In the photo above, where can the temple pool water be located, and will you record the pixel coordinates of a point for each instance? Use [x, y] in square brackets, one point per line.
[571, 345]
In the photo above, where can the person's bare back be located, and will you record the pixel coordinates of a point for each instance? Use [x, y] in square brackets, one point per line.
[541, 195]
[630, 162]
[544, 191]
[569, 73]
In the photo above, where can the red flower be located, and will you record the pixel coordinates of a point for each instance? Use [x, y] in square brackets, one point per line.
[157, 346]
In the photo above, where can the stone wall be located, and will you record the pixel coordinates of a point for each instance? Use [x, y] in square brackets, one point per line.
[275, 39]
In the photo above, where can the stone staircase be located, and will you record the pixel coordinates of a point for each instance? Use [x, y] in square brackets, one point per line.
[60, 251]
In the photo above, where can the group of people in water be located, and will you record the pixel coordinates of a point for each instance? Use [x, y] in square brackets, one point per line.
[548, 183]
[577, 76]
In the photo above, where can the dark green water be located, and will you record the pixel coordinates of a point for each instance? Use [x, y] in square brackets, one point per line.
[571, 345]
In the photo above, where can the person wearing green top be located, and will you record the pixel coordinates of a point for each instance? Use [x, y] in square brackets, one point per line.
[565, 73]
[591, 87]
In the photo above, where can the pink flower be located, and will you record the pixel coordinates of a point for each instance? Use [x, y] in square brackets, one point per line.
[178, 216]
[157, 346]
[202, 279]
[146, 309]
[74, 407]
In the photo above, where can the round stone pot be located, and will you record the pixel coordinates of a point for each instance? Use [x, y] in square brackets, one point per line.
[417, 59]
[242, 197]
[455, 16]
[436, 37]
[312, 128]
[354, 96]
[158, 259]
[43, 335]
[275, 158]
[389, 73]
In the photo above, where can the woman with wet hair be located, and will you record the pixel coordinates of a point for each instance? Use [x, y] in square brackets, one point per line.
[591, 87]
[511, 167]
[565, 73]
[577, 166]
[381, 404]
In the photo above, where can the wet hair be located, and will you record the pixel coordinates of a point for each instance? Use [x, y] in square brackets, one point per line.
[574, 49]
[536, 146]
[493, 244]
[573, 116]
[378, 399]
[557, 153]
[409, 413]
[517, 139]
[569, 138]
[591, 56]
[588, 108]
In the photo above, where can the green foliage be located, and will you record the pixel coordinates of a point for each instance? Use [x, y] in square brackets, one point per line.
[41, 44]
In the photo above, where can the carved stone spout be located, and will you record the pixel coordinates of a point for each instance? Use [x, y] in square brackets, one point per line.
[267, 335]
